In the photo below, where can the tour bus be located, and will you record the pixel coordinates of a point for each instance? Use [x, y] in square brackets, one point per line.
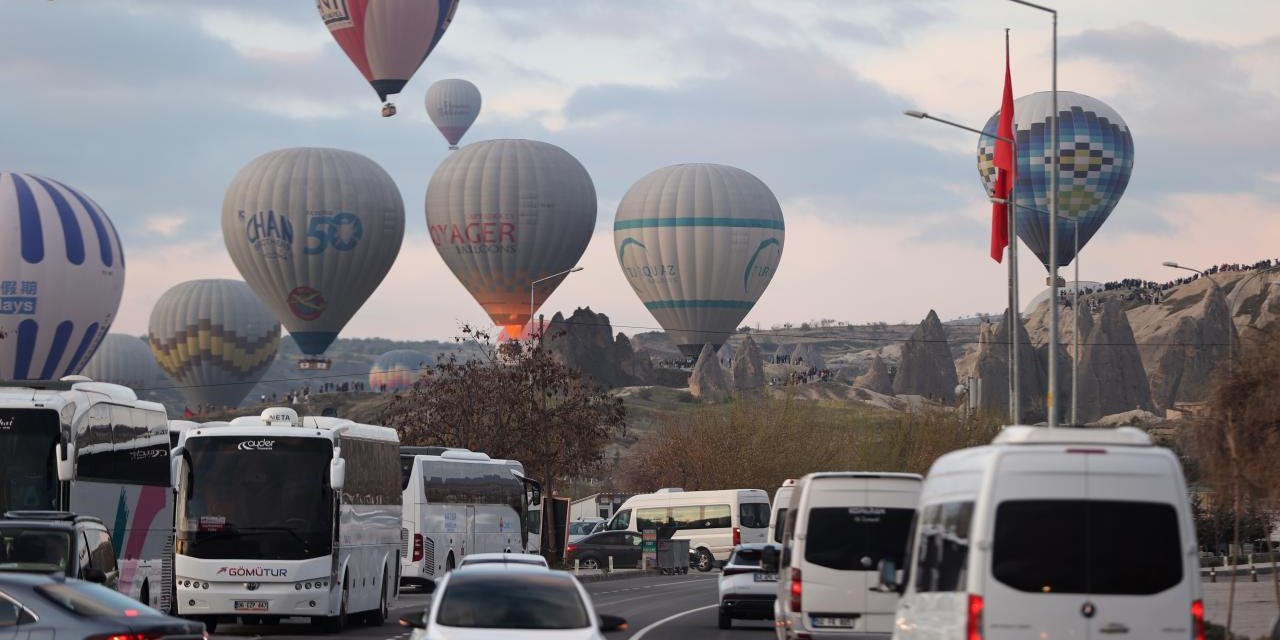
[713, 522]
[458, 502]
[280, 516]
[1080, 533]
[781, 500]
[94, 449]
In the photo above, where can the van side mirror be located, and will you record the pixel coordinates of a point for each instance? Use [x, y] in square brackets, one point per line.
[337, 473]
[769, 559]
[889, 577]
[65, 464]
[95, 575]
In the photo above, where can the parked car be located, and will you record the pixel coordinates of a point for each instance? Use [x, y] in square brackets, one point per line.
[49, 606]
[839, 527]
[509, 600]
[594, 551]
[580, 529]
[747, 589]
[58, 542]
[1080, 533]
[529, 559]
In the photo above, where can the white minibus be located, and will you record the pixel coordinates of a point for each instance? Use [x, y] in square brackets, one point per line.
[1053, 533]
[781, 500]
[713, 522]
[839, 527]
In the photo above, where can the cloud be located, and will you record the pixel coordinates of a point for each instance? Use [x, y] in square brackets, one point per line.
[167, 226]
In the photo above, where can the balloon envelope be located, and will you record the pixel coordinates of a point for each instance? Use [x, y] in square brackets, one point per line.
[398, 369]
[314, 232]
[504, 213]
[452, 105]
[387, 40]
[1095, 160]
[699, 243]
[123, 359]
[214, 339]
[61, 277]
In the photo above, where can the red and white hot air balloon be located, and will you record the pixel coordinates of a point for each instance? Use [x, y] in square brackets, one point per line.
[387, 40]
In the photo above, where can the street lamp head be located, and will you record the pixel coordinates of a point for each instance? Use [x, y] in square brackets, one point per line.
[1171, 264]
[915, 114]
[575, 269]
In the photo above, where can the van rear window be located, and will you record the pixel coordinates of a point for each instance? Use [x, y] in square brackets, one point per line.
[856, 538]
[1099, 547]
[753, 515]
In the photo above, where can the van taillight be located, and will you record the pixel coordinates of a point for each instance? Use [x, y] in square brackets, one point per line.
[417, 547]
[737, 536]
[973, 627]
[1197, 620]
[796, 590]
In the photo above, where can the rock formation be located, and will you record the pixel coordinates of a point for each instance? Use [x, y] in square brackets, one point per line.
[1111, 377]
[877, 378]
[585, 341]
[748, 367]
[707, 381]
[991, 369]
[926, 368]
[1182, 340]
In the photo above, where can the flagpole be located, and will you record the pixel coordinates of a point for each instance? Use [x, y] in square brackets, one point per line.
[1015, 315]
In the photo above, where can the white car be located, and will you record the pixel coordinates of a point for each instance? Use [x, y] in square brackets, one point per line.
[522, 559]
[501, 601]
[747, 591]
[579, 529]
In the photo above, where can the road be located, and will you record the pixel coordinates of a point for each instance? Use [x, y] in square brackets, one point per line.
[655, 608]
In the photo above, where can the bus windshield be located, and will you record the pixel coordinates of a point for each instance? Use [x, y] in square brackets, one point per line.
[256, 497]
[27, 476]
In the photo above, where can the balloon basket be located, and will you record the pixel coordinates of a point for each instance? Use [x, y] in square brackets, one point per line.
[315, 364]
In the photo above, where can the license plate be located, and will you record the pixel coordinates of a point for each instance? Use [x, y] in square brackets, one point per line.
[832, 622]
[250, 605]
[766, 577]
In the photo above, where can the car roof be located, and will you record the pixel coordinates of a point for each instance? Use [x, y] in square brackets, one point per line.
[29, 579]
[519, 558]
[508, 571]
[48, 519]
[758, 545]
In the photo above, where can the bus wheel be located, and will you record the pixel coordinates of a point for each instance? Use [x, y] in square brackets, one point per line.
[378, 616]
[336, 624]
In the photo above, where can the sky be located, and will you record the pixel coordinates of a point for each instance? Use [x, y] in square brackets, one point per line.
[151, 106]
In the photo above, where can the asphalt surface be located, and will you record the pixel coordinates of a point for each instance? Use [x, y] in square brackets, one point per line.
[656, 608]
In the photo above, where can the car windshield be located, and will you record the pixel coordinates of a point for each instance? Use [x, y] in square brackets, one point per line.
[857, 538]
[1099, 546]
[256, 498]
[580, 528]
[753, 515]
[507, 601]
[27, 477]
[746, 557]
[34, 550]
[88, 599]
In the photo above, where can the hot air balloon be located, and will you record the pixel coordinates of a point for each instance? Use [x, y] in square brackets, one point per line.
[1094, 163]
[214, 339]
[387, 40]
[61, 276]
[504, 213]
[453, 105]
[399, 369]
[123, 359]
[313, 231]
[699, 243]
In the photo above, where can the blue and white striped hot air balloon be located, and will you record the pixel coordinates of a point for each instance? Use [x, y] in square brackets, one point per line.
[61, 276]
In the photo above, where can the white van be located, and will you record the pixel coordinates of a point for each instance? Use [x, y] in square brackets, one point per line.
[713, 522]
[781, 500]
[1053, 533]
[839, 527]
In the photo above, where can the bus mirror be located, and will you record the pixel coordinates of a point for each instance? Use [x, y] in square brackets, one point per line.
[337, 473]
[175, 467]
[66, 466]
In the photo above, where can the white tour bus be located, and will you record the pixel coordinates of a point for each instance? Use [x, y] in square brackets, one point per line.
[839, 526]
[459, 502]
[713, 522]
[1080, 533]
[94, 449]
[281, 516]
[781, 500]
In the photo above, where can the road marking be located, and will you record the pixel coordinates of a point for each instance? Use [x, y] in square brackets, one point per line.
[641, 633]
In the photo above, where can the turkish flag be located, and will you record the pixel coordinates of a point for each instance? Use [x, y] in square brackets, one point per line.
[1005, 169]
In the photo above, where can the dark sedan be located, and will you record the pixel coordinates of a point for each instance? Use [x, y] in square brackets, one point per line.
[594, 551]
[49, 606]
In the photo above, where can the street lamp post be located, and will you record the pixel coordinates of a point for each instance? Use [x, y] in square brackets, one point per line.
[1015, 318]
[1075, 324]
[1230, 324]
[534, 284]
[1053, 221]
